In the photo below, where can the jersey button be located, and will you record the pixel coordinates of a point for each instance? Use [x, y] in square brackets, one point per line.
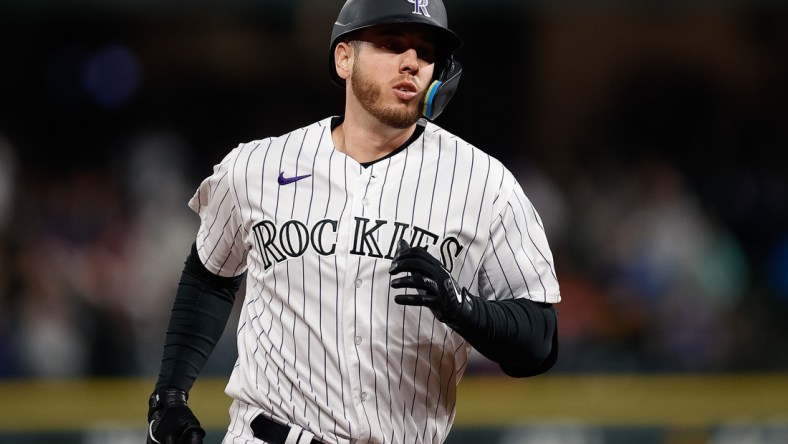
[365, 201]
[358, 283]
[363, 396]
[358, 340]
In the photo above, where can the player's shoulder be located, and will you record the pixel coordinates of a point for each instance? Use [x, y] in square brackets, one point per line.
[256, 152]
[259, 149]
[466, 151]
[285, 139]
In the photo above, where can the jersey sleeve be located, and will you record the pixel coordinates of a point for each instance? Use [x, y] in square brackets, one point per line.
[518, 262]
[220, 238]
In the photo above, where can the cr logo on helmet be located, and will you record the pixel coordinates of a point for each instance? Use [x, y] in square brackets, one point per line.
[420, 7]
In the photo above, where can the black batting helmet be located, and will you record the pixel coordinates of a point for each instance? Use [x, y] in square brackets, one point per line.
[359, 14]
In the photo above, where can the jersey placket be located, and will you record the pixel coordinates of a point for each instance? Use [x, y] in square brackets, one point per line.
[358, 285]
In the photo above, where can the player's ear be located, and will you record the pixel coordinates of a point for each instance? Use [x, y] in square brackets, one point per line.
[343, 59]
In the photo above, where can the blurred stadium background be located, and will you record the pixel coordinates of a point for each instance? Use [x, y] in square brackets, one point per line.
[649, 134]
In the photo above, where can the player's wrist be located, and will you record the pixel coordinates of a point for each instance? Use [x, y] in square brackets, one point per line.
[166, 397]
[463, 314]
[170, 396]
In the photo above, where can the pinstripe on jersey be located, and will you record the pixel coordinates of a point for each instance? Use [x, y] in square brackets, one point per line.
[321, 342]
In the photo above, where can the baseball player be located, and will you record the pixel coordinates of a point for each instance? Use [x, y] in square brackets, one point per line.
[376, 249]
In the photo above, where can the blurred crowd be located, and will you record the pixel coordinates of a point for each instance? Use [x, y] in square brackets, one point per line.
[666, 207]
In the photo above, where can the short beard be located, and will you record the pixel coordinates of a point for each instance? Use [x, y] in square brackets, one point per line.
[368, 94]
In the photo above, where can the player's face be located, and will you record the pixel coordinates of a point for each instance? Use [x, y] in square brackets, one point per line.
[392, 69]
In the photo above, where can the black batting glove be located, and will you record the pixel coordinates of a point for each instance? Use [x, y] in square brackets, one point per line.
[170, 420]
[435, 288]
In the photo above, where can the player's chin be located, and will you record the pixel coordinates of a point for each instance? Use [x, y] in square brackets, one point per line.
[414, 108]
[401, 116]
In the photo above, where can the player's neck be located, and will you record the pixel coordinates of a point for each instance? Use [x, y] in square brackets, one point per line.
[367, 141]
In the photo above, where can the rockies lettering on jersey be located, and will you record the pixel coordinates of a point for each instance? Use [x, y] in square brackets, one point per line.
[294, 238]
[321, 342]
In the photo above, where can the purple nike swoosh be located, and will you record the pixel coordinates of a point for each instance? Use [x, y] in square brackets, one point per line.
[286, 180]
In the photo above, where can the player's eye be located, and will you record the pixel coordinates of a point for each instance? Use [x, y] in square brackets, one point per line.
[398, 46]
[426, 53]
[393, 45]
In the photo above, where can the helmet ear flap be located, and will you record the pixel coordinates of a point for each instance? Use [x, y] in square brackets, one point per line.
[442, 89]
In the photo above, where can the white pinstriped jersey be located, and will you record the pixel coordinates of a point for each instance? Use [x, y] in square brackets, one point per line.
[321, 342]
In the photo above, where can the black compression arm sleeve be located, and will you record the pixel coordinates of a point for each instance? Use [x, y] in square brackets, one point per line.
[203, 304]
[519, 334]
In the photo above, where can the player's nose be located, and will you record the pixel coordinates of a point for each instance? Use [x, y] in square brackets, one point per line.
[410, 61]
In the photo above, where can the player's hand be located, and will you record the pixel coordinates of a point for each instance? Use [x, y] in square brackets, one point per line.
[434, 285]
[170, 420]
